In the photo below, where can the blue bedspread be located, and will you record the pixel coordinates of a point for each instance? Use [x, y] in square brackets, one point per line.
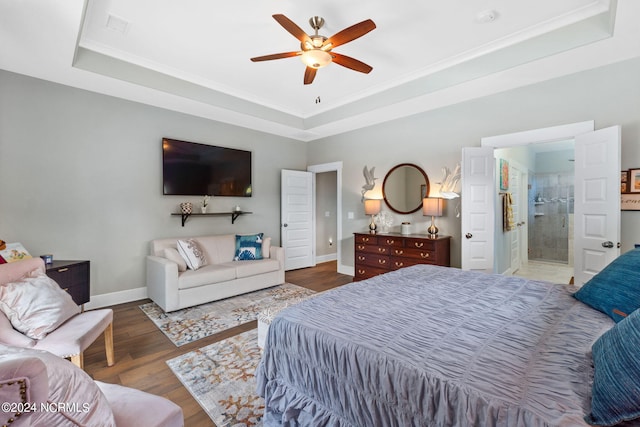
[432, 346]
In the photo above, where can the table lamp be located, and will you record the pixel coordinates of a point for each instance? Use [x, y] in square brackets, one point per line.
[432, 206]
[372, 207]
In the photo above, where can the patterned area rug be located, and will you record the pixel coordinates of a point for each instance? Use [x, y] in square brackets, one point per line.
[193, 323]
[221, 378]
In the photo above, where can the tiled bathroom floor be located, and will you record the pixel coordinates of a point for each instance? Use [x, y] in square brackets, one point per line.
[549, 271]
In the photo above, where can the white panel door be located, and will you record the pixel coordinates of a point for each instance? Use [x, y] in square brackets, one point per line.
[296, 228]
[597, 202]
[478, 195]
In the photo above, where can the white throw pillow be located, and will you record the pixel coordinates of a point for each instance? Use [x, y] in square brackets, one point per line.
[191, 253]
[36, 305]
[172, 254]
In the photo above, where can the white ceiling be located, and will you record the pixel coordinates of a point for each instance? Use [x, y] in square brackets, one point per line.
[193, 55]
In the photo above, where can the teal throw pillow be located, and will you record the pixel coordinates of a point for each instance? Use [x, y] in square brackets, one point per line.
[616, 380]
[615, 291]
[248, 246]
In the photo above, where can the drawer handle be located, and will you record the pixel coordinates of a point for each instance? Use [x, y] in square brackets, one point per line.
[399, 251]
[399, 264]
[382, 250]
[360, 271]
[361, 247]
[424, 254]
[419, 245]
[390, 242]
[361, 258]
[62, 270]
[382, 261]
[365, 239]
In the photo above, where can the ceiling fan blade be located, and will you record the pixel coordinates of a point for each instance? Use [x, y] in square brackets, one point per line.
[275, 56]
[351, 33]
[309, 75]
[292, 28]
[352, 63]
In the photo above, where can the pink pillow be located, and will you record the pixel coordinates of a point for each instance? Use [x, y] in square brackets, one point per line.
[74, 399]
[36, 305]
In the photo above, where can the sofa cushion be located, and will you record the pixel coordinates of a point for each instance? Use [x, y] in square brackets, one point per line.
[192, 254]
[219, 248]
[172, 254]
[36, 305]
[248, 247]
[266, 247]
[253, 267]
[207, 275]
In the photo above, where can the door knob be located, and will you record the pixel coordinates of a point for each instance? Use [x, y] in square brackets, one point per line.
[468, 235]
[607, 244]
[285, 225]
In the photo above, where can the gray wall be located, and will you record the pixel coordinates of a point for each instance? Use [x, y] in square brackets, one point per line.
[81, 177]
[609, 95]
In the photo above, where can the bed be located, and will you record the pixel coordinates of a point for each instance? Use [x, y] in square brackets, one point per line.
[432, 346]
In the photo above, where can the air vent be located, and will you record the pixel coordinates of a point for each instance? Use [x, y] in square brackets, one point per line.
[117, 24]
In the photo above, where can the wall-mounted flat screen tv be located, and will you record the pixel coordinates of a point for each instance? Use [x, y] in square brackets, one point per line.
[193, 169]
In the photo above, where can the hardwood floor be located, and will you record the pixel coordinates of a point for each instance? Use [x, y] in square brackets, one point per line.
[141, 349]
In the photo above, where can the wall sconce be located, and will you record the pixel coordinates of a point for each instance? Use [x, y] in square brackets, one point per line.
[432, 206]
[372, 207]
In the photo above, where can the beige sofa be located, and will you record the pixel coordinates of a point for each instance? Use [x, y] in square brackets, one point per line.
[221, 276]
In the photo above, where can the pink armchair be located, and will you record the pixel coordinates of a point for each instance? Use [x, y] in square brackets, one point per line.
[50, 391]
[72, 337]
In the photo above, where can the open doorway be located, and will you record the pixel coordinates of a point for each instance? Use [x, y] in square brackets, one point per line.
[327, 197]
[542, 188]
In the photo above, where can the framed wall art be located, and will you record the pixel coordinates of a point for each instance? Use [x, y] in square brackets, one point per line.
[624, 181]
[630, 201]
[504, 174]
[634, 181]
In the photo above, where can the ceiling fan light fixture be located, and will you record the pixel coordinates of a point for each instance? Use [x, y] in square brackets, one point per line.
[316, 58]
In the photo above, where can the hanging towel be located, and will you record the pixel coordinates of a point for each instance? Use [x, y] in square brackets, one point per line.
[507, 213]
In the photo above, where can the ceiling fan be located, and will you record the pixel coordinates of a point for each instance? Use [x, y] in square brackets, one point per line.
[317, 49]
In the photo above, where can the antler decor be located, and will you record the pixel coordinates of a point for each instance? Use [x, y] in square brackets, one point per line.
[369, 180]
[449, 183]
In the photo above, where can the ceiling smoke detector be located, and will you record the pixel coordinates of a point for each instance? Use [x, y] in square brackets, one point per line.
[487, 16]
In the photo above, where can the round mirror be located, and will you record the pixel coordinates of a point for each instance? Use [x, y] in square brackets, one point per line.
[404, 187]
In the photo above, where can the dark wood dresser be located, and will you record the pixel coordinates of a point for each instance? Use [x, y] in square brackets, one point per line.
[73, 277]
[380, 253]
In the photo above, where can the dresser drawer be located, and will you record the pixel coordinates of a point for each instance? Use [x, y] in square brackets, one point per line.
[420, 254]
[365, 272]
[420, 244]
[373, 260]
[368, 239]
[391, 241]
[397, 263]
[380, 250]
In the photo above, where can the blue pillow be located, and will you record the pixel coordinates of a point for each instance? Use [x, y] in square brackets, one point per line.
[615, 291]
[616, 381]
[248, 246]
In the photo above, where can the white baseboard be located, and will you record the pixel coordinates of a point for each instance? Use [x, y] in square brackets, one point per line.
[345, 269]
[326, 258]
[113, 298]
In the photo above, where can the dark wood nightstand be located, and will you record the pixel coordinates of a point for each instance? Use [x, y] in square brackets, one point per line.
[73, 277]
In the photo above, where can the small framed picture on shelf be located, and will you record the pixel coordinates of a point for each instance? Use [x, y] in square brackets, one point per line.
[624, 181]
[634, 181]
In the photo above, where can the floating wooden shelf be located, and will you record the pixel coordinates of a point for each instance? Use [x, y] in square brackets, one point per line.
[234, 215]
